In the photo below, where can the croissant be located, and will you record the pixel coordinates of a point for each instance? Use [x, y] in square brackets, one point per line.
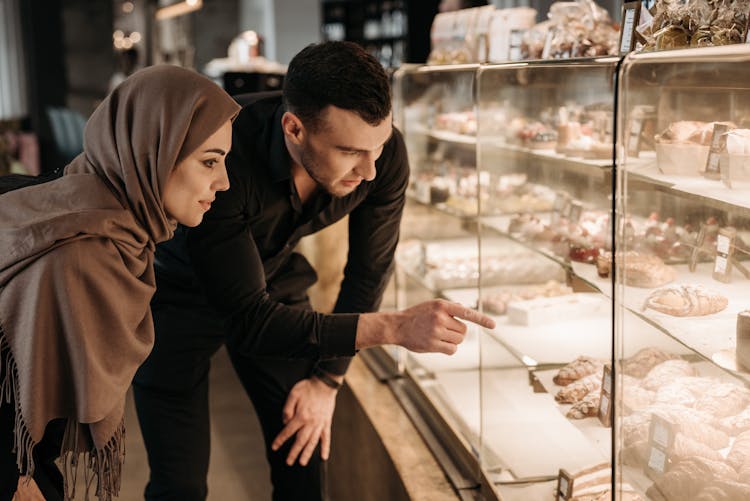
[576, 391]
[587, 407]
[646, 359]
[686, 301]
[577, 369]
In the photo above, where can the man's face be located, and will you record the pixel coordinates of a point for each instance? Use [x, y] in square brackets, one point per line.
[342, 151]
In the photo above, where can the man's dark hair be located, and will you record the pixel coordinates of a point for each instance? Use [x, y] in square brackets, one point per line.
[341, 74]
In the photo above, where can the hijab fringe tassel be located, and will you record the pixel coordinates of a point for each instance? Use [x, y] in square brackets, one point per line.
[103, 466]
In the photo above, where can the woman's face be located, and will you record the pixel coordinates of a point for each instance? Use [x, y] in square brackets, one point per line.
[193, 183]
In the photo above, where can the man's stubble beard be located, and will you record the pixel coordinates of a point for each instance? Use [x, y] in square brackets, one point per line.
[313, 170]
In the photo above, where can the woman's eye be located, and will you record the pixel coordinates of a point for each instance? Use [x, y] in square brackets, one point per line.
[209, 163]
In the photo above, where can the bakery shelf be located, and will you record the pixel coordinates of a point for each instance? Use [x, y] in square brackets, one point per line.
[445, 135]
[711, 336]
[441, 208]
[513, 413]
[549, 155]
[501, 224]
[590, 427]
[712, 193]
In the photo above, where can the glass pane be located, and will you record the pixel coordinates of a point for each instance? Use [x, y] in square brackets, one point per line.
[438, 252]
[545, 170]
[683, 229]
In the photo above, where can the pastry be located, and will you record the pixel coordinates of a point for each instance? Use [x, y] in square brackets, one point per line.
[635, 453]
[641, 270]
[743, 474]
[635, 428]
[739, 454]
[721, 490]
[647, 272]
[497, 302]
[577, 369]
[734, 425]
[634, 397]
[667, 372]
[685, 447]
[579, 389]
[642, 362]
[688, 422]
[686, 301]
[587, 407]
[688, 477]
[724, 400]
[675, 393]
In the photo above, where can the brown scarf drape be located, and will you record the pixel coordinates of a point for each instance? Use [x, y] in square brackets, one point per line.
[76, 268]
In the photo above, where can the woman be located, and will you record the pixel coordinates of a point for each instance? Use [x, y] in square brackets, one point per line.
[76, 273]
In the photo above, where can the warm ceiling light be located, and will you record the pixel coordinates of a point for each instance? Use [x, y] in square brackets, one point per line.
[118, 35]
[178, 9]
[135, 37]
[127, 7]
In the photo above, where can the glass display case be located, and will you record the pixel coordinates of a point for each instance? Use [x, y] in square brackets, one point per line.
[437, 255]
[683, 284]
[546, 162]
[599, 210]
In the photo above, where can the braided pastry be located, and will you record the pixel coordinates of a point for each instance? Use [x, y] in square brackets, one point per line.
[686, 301]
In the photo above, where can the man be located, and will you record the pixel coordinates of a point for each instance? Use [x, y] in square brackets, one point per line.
[297, 165]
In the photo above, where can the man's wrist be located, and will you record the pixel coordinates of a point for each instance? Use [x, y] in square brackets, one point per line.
[332, 381]
[374, 329]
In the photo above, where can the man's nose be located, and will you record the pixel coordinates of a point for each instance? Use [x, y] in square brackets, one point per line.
[367, 168]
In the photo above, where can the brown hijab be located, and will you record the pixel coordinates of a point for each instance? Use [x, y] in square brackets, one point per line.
[76, 269]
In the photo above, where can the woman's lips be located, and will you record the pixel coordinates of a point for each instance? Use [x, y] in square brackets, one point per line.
[205, 204]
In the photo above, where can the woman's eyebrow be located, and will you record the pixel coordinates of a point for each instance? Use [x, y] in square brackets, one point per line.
[216, 150]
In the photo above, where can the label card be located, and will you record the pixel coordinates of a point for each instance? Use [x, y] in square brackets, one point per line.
[605, 400]
[548, 44]
[564, 486]
[634, 137]
[559, 206]
[660, 441]
[697, 248]
[718, 145]
[631, 12]
[724, 254]
[576, 211]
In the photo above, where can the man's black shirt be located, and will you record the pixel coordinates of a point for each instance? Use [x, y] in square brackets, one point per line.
[241, 259]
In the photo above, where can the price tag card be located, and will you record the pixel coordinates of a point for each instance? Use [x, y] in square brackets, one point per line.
[724, 253]
[634, 137]
[605, 399]
[657, 460]
[699, 239]
[548, 44]
[660, 440]
[631, 12]
[576, 211]
[559, 206]
[718, 145]
[564, 486]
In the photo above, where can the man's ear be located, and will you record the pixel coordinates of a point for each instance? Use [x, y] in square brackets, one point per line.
[293, 127]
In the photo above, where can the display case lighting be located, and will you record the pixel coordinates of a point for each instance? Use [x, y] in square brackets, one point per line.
[178, 9]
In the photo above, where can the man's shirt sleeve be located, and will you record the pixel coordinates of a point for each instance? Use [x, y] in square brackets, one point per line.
[229, 267]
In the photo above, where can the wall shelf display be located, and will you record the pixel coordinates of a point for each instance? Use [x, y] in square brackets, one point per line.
[599, 210]
[394, 31]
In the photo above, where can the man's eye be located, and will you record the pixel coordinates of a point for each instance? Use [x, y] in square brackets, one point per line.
[352, 153]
